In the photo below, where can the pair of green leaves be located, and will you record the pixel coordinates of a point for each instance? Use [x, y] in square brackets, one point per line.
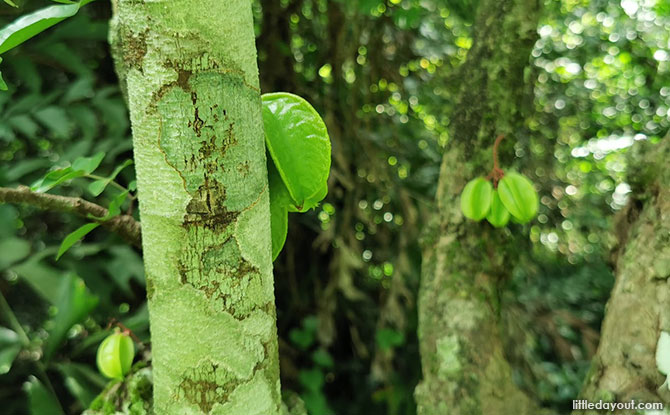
[299, 164]
[515, 198]
[32, 24]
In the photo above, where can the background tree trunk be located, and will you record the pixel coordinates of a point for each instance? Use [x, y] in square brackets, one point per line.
[624, 367]
[189, 68]
[463, 363]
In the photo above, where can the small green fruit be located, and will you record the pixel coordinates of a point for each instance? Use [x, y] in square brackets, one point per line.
[476, 198]
[518, 195]
[115, 355]
[498, 215]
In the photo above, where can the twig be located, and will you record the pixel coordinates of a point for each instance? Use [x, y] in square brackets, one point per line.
[496, 173]
[124, 225]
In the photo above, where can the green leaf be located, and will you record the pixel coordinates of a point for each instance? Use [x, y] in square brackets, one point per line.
[316, 403]
[114, 208]
[11, 3]
[82, 382]
[498, 215]
[3, 85]
[74, 237]
[88, 164]
[73, 305]
[54, 178]
[476, 198]
[10, 346]
[298, 142]
[56, 120]
[98, 186]
[303, 338]
[34, 23]
[279, 201]
[322, 358]
[519, 196]
[312, 379]
[43, 279]
[13, 250]
[40, 400]
[389, 338]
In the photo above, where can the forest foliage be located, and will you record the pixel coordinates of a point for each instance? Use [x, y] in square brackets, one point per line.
[380, 72]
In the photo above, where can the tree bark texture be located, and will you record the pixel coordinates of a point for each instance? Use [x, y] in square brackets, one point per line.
[190, 73]
[624, 367]
[464, 263]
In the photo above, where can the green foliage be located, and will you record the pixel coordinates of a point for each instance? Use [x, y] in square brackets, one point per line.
[299, 163]
[74, 237]
[10, 346]
[42, 400]
[34, 23]
[115, 355]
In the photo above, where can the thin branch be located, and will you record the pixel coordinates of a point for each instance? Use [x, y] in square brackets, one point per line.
[123, 225]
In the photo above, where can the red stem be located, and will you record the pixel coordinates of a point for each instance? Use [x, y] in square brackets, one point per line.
[496, 173]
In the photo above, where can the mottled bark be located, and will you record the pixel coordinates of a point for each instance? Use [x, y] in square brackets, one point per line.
[624, 367]
[190, 72]
[464, 368]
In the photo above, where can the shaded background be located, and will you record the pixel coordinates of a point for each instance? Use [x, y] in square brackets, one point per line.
[381, 73]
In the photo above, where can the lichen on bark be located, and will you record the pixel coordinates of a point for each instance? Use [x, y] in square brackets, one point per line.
[194, 101]
[464, 263]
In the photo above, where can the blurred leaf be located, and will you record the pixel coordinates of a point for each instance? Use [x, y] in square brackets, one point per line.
[74, 237]
[10, 346]
[125, 265]
[316, 403]
[389, 338]
[11, 3]
[45, 280]
[41, 400]
[82, 381]
[25, 69]
[13, 250]
[322, 358]
[312, 379]
[55, 120]
[301, 338]
[25, 125]
[73, 305]
[34, 23]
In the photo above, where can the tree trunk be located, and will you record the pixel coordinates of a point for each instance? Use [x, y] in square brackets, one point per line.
[464, 368]
[624, 367]
[189, 69]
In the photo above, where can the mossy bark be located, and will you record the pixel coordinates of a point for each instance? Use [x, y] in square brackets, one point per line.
[464, 263]
[190, 74]
[624, 367]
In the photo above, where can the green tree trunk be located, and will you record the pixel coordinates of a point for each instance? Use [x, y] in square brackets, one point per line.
[189, 70]
[624, 367]
[464, 263]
